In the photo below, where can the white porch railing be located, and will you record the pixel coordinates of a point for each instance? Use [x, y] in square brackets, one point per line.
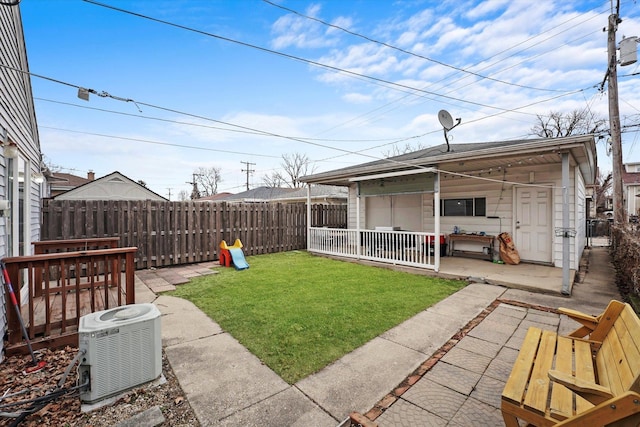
[409, 248]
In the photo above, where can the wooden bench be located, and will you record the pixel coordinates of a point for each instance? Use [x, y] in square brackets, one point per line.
[589, 378]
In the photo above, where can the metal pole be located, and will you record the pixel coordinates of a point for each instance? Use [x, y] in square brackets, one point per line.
[436, 216]
[309, 216]
[358, 236]
[566, 261]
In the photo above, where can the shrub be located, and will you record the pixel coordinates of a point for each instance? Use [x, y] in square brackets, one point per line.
[625, 255]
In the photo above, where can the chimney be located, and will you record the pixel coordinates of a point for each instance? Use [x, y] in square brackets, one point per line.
[91, 175]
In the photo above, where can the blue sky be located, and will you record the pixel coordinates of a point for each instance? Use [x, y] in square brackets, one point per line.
[270, 83]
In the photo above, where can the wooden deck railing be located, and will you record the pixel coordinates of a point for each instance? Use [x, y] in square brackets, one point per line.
[53, 316]
[75, 245]
[71, 245]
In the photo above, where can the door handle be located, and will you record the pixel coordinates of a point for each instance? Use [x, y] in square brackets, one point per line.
[517, 224]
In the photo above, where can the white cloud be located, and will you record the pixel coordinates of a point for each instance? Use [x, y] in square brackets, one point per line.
[357, 98]
[488, 7]
[547, 45]
[300, 32]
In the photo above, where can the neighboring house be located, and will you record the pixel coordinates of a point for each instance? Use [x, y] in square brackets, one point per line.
[631, 188]
[260, 194]
[214, 197]
[114, 186]
[513, 186]
[320, 194]
[61, 182]
[591, 200]
[21, 179]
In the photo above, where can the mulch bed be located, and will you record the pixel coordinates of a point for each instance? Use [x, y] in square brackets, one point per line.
[18, 389]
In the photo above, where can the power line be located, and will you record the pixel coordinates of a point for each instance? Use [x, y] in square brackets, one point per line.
[289, 56]
[435, 61]
[306, 61]
[265, 133]
[148, 141]
[469, 73]
[260, 133]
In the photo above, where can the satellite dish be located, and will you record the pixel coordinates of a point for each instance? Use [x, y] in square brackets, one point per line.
[445, 119]
[447, 123]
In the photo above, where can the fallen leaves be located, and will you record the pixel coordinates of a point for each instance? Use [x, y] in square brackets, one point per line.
[16, 386]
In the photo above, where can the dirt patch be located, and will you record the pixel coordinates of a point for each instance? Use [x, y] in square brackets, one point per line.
[65, 410]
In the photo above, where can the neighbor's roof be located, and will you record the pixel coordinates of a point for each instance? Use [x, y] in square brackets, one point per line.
[317, 191]
[214, 198]
[631, 178]
[582, 147]
[114, 186]
[66, 180]
[260, 194]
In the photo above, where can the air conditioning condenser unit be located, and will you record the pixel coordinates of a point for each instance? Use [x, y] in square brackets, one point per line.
[123, 349]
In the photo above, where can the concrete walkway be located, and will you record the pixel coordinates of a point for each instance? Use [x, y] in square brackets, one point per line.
[445, 366]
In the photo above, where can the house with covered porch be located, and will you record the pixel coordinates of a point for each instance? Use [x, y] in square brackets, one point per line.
[405, 209]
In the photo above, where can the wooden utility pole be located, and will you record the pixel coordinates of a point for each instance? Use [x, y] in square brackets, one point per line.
[614, 121]
[248, 170]
[195, 193]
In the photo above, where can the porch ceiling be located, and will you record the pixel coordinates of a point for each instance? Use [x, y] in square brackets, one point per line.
[497, 163]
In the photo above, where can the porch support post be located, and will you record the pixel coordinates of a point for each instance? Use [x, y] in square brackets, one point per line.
[566, 261]
[358, 239]
[436, 226]
[309, 216]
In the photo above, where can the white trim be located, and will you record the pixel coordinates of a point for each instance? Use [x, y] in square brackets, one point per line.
[392, 174]
[436, 222]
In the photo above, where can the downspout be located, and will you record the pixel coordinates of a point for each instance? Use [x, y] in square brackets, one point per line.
[566, 262]
[436, 226]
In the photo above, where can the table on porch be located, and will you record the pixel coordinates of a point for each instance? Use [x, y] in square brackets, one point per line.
[484, 239]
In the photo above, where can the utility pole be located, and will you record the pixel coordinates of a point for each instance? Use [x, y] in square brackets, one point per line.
[248, 170]
[169, 189]
[195, 193]
[614, 120]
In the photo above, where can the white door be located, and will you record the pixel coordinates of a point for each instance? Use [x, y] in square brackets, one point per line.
[533, 238]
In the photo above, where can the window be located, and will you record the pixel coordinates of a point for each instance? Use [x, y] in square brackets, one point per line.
[464, 207]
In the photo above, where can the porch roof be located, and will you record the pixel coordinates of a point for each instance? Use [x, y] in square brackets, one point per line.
[462, 158]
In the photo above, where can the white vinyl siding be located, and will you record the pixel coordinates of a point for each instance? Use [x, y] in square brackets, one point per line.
[18, 118]
[499, 191]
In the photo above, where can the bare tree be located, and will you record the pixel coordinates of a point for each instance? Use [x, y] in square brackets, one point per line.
[48, 163]
[602, 191]
[183, 195]
[577, 122]
[397, 150]
[275, 180]
[208, 180]
[294, 167]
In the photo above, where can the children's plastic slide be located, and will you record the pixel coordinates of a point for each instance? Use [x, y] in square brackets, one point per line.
[233, 254]
[237, 257]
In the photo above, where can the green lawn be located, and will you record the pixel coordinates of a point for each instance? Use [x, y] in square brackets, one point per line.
[298, 312]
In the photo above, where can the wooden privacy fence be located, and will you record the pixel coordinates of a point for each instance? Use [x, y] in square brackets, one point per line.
[172, 233]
